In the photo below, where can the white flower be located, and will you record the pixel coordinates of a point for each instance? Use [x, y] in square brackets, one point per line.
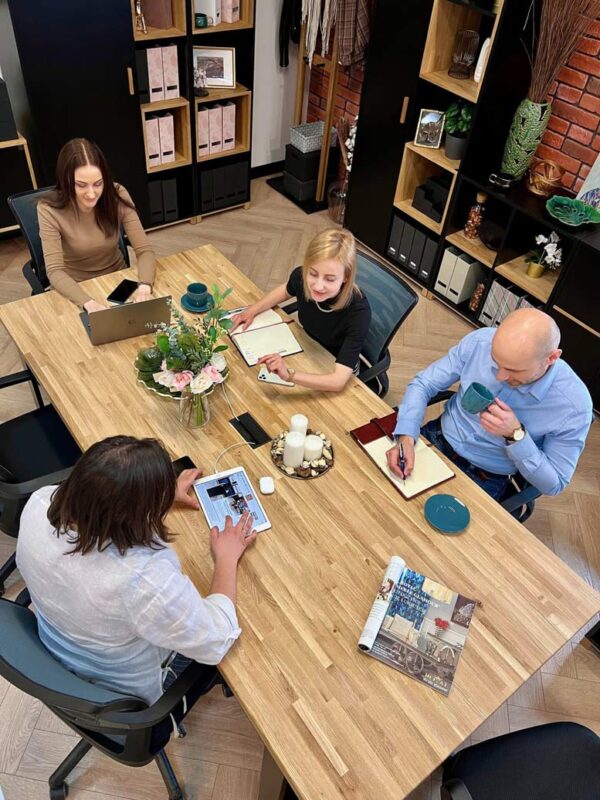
[165, 377]
[218, 361]
[540, 239]
[554, 237]
[200, 383]
[551, 248]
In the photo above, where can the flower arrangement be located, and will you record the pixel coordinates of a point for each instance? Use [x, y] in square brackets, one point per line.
[441, 624]
[186, 361]
[548, 254]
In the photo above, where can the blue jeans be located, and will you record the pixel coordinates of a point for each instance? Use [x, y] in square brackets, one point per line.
[495, 485]
[176, 666]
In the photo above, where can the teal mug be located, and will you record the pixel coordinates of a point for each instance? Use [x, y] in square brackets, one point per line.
[197, 295]
[476, 398]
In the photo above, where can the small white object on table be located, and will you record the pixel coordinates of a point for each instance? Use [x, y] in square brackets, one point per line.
[293, 452]
[299, 424]
[313, 448]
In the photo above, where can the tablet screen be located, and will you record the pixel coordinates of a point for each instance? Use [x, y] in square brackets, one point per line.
[229, 494]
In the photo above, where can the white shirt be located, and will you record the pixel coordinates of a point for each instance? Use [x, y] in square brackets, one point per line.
[113, 619]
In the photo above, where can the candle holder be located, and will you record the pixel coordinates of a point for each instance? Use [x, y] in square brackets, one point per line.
[308, 469]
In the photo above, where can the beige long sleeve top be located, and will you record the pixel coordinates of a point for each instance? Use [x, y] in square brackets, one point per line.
[76, 249]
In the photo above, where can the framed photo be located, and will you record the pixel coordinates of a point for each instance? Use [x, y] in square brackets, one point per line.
[590, 190]
[215, 65]
[430, 128]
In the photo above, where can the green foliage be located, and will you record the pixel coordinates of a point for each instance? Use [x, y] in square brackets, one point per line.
[459, 118]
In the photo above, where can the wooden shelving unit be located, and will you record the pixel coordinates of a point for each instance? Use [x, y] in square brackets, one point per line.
[418, 164]
[178, 28]
[473, 247]
[246, 20]
[516, 271]
[242, 98]
[181, 118]
[21, 143]
[436, 155]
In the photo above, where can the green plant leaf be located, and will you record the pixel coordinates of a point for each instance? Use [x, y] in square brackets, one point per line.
[162, 342]
[220, 348]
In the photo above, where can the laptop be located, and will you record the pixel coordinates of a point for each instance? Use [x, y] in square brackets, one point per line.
[126, 321]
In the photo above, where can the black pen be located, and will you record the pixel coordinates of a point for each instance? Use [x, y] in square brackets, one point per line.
[402, 463]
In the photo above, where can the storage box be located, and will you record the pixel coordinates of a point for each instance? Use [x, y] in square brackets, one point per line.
[467, 274]
[446, 270]
[308, 137]
[428, 259]
[393, 248]
[305, 166]
[406, 244]
[416, 252]
[300, 190]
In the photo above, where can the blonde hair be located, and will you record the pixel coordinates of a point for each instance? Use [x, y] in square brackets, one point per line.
[337, 244]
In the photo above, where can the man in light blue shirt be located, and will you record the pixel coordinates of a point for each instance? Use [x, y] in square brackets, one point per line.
[537, 424]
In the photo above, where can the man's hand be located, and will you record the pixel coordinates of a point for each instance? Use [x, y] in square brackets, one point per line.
[143, 292]
[244, 318]
[275, 363]
[393, 456]
[184, 484]
[93, 305]
[230, 544]
[499, 419]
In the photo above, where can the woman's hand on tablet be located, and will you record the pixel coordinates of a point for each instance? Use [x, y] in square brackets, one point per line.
[230, 543]
[184, 483]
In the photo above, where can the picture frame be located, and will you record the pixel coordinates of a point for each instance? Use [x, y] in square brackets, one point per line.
[214, 65]
[430, 128]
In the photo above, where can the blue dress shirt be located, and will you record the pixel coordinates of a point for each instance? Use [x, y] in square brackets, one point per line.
[556, 412]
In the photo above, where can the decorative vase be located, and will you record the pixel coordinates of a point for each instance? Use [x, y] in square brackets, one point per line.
[194, 409]
[456, 147]
[337, 195]
[525, 135]
[535, 270]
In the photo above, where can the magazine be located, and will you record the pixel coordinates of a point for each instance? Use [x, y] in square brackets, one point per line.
[417, 626]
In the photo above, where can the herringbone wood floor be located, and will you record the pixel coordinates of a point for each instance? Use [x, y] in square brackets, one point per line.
[221, 756]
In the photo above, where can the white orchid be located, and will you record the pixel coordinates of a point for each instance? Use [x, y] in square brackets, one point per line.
[540, 239]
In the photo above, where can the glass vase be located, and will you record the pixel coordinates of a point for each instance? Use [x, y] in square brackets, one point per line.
[524, 137]
[194, 409]
[336, 200]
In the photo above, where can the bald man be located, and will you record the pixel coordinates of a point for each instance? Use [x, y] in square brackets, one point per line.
[537, 424]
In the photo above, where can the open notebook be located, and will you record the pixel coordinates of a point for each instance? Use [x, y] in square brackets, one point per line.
[267, 333]
[429, 470]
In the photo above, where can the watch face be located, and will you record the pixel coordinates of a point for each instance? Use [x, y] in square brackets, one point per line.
[518, 434]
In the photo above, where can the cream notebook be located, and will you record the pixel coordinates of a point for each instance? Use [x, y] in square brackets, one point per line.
[268, 333]
[429, 470]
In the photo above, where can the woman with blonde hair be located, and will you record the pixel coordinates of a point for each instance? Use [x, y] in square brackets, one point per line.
[331, 308]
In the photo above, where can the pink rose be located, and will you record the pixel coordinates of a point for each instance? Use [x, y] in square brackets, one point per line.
[212, 373]
[181, 379]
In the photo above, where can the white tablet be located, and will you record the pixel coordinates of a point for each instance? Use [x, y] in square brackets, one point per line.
[230, 493]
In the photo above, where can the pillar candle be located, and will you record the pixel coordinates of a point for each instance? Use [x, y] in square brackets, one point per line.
[293, 452]
[299, 424]
[313, 448]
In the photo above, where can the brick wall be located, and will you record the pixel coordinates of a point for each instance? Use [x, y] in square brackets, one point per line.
[573, 135]
[347, 100]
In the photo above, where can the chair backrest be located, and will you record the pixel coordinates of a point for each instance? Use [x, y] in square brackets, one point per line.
[391, 300]
[24, 209]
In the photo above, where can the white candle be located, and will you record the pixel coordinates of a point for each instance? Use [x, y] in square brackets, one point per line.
[299, 424]
[313, 448]
[293, 452]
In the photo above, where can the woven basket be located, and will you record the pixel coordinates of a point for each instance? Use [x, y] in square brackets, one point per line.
[309, 137]
[544, 177]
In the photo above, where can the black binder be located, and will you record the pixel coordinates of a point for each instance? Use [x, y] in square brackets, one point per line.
[406, 244]
[141, 71]
[427, 260]
[395, 238]
[207, 202]
[157, 216]
[416, 252]
[169, 196]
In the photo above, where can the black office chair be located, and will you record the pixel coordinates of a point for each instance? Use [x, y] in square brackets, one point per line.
[391, 300]
[36, 450]
[24, 209]
[122, 727]
[521, 496]
[558, 761]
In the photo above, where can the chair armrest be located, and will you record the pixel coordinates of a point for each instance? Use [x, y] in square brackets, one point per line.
[376, 369]
[165, 705]
[290, 308]
[23, 598]
[21, 491]
[32, 279]
[522, 498]
[440, 397]
[456, 790]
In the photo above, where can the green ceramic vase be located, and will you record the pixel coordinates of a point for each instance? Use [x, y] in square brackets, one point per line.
[524, 136]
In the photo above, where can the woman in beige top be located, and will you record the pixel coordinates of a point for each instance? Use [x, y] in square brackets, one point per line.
[80, 222]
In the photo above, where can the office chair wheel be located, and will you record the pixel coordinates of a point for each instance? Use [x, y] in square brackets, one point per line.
[226, 690]
[59, 792]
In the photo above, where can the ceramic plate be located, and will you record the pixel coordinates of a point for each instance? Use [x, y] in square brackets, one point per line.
[196, 309]
[447, 513]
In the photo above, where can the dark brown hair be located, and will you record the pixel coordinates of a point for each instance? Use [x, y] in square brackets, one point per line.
[82, 153]
[118, 493]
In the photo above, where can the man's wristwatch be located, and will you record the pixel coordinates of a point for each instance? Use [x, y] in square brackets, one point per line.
[516, 436]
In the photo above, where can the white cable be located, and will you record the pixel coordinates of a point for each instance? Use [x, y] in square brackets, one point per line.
[222, 453]
[235, 416]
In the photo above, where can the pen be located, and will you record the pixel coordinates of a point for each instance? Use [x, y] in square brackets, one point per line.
[402, 463]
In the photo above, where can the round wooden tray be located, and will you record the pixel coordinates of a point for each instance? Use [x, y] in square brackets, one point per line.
[303, 473]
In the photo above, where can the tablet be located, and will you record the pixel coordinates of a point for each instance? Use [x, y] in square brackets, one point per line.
[229, 492]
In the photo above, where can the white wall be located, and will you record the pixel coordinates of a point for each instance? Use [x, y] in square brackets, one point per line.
[274, 88]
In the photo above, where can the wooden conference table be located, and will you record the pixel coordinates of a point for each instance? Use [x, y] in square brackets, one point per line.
[337, 723]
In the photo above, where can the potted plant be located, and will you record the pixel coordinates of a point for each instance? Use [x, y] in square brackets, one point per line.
[547, 255]
[459, 119]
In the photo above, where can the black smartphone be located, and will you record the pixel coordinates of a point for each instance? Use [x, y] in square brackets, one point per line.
[123, 292]
[185, 462]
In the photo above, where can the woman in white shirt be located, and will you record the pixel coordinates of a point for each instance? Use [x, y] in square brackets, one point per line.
[111, 601]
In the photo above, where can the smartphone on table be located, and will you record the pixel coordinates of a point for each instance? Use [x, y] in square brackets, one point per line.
[122, 292]
[185, 462]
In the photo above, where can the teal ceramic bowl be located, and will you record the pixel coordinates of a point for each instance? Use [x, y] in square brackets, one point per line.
[572, 212]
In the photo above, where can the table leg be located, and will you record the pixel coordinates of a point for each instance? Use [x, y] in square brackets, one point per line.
[272, 783]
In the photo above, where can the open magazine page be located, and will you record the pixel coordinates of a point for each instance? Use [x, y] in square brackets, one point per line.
[379, 609]
[424, 630]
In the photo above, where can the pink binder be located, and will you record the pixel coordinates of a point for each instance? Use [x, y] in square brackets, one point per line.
[215, 128]
[230, 10]
[166, 130]
[170, 71]
[228, 125]
[155, 74]
[202, 123]
[152, 141]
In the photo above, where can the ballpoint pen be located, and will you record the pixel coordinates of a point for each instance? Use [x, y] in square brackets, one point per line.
[402, 463]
